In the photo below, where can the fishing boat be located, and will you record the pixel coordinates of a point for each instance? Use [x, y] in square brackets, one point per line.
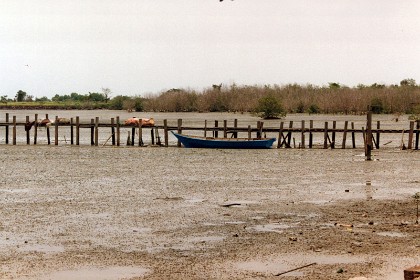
[224, 143]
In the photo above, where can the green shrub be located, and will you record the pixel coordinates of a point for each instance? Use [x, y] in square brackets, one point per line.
[314, 109]
[300, 108]
[377, 106]
[269, 107]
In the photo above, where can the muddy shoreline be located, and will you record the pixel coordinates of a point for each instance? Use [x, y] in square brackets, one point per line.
[155, 213]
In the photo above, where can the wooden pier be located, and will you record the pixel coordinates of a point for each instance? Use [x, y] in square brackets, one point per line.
[287, 134]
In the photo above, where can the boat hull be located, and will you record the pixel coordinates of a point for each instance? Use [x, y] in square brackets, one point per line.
[232, 143]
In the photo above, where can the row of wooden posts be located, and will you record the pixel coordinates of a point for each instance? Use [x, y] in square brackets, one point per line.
[371, 136]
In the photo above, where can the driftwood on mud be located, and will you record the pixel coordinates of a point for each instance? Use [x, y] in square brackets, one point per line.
[294, 269]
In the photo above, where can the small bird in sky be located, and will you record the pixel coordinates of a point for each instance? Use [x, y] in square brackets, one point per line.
[26, 65]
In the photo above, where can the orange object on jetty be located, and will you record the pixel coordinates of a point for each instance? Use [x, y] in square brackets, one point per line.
[144, 122]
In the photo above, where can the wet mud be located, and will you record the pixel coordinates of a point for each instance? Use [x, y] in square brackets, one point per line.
[167, 213]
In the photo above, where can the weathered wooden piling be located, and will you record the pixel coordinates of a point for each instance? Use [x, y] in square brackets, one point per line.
[224, 128]
[378, 134]
[77, 130]
[48, 130]
[326, 135]
[205, 128]
[216, 132]
[6, 136]
[14, 131]
[92, 132]
[249, 132]
[333, 135]
[289, 134]
[166, 133]
[410, 136]
[140, 132]
[113, 131]
[302, 135]
[353, 137]
[133, 134]
[35, 128]
[28, 141]
[56, 131]
[260, 126]
[71, 132]
[97, 131]
[117, 119]
[311, 126]
[369, 144]
[343, 145]
[235, 126]
[179, 131]
[280, 137]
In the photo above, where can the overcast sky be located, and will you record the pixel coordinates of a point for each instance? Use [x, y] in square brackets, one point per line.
[50, 47]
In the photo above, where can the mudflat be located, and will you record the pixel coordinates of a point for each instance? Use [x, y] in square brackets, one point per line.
[86, 212]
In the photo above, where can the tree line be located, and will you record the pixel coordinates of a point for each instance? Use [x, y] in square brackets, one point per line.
[279, 99]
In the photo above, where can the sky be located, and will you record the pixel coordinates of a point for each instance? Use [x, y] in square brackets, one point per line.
[142, 47]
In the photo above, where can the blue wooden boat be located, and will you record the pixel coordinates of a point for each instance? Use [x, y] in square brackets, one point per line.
[224, 143]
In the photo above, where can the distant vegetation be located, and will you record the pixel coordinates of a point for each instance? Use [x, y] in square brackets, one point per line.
[267, 101]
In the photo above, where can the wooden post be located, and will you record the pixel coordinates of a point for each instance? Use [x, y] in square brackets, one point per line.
[7, 128]
[14, 131]
[92, 132]
[225, 129]
[333, 135]
[343, 146]
[289, 135]
[279, 140]
[235, 125]
[27, 132]
[364, 138]
[353, 139]
[249, 132]
[302, 141]
[113, 131]
[77, 130]
[326, 135]
[152, 135]
[378, 134]
[179, 130]
[311, 126]
[205, 128]
[165, 131]
[35, 128]
[48, 131]
[260, 129]
[117, 119]
[369, 144]
[71, 132]
[410, 136]
[96, 131]
[133, 134]
[158, 141]
[141, 144]
[128, 139]
[417, 134]
[56, 131]
[216, 131]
